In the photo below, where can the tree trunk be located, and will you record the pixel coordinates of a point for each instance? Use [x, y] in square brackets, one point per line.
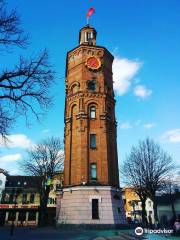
[156, 219]
[43, 206]
[172, 206]
[144, 219]
[42, 216]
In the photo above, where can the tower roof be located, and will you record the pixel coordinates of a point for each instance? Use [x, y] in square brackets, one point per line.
[87, 26]
[87, 35]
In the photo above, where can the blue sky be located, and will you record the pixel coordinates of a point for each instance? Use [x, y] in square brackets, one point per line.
[144, 37]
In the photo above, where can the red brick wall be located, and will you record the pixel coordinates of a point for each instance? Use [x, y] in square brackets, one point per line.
[78, 125]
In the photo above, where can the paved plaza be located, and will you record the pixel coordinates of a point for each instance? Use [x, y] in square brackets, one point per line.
[48, 233]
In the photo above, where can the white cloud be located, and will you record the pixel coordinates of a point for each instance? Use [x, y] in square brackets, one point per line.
[142, 92]
[148, 125]
[125, 125]
[124, 70]
[10, 158]
[172, 136]
[17, 141]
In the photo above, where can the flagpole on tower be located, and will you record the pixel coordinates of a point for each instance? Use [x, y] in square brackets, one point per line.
[89, 13]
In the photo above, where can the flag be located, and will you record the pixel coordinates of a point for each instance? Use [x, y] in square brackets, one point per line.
[90, 12]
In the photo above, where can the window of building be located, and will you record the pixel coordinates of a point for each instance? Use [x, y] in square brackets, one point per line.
[24, 198]
[91, 85]
[58, 186]
[32, 215]
[92, 112]
[22, 216]
[32, 197]
[95, 209]
[88, 36]
[19, 183]
[74, 88]
[92, 141]
[6, 198]
[12, 216]
[11, 197]
[51, 201]
[25, 183]
[93, 171]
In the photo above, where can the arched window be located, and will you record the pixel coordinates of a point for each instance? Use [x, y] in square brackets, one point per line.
[74, 88]
[93, 171]
[92, 112]
[92, 85]
[88, 36]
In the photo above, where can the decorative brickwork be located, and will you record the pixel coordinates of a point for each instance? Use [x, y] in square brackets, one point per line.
[91, 194]
[78, 123]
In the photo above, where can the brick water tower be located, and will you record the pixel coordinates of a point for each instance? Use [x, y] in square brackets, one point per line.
[91, 193]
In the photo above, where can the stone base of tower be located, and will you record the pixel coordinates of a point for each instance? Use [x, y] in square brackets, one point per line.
[74, 206]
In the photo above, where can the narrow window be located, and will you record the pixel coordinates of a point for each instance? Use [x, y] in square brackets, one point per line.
[88, 36]
[24, 198]
[22, 216]
[93, 141]
[11, 198]
[93, 171]
[92, 112]
[91, 85]
[32, 196]
[32, 215]
[12, 216]
[85, 36]
[7, 198]
[95, 209]
[74, 88]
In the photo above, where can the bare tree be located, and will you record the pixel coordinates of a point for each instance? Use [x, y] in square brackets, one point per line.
[132, 173]
[44, 159]
[11, 32]
[25, 87]
[149, 168]
[170, 187]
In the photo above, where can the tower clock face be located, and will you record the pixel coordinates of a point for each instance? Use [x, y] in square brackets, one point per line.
[93, 63]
